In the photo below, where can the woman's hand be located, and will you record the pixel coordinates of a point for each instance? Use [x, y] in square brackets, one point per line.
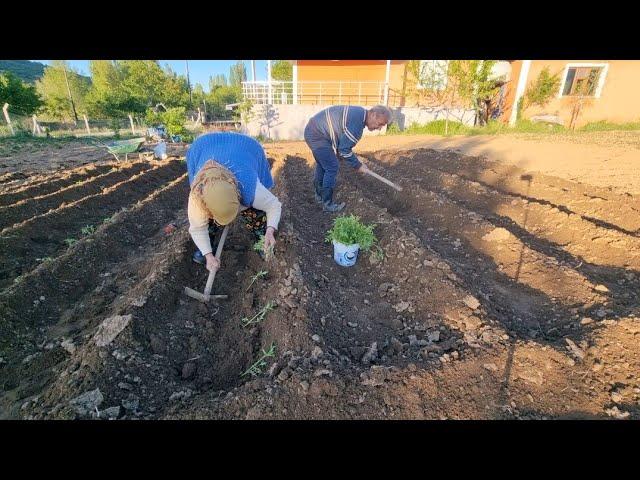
[213, 264]
[269, 240]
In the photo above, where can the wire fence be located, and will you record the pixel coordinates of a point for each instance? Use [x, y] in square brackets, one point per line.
[15, 121]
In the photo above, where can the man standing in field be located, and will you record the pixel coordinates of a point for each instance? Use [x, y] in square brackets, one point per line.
[332, 133]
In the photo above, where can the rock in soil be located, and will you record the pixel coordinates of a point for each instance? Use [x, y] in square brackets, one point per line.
[471, 302]
[110, 328]
[188, 370]
[88, 402]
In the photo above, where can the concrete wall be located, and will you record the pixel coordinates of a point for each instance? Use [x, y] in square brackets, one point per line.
[619, 100]
[405, 116]
[287, 122]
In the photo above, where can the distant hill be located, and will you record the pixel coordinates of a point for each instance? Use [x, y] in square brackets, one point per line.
[26, 70]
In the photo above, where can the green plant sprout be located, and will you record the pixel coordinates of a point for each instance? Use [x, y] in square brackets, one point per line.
[70, 241]
[258, 275]
[88, 230]
[257, 368]
[258, 317]
[259, 247]
[108, 220]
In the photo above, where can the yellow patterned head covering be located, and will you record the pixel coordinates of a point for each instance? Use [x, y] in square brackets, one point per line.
[215, 190]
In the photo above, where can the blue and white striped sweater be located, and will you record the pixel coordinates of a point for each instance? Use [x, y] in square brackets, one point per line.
[342, 126]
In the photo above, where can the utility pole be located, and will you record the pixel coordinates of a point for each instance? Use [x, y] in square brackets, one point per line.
[73, 107]
[189, 83]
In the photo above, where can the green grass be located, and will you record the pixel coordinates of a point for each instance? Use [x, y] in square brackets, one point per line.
[437, 127]
[605, 126]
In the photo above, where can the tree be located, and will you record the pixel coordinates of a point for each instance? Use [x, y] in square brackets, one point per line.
[474, 85]
[218, 80]
[282, 70]
[237, 74]
[429, 83]
[542, 90]
[175, 92]
[198, 94]
[132, 86]
[581, 94]
[219, 98]
[106, 99]
[63, 90]
[22, 97]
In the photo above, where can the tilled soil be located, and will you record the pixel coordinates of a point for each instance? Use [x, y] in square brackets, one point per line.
[494, 293]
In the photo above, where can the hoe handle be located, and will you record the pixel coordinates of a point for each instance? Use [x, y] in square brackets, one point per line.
[384, 180]
[212, 275]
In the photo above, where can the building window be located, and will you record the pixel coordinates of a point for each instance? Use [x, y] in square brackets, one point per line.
[433, 74]
[583, 79]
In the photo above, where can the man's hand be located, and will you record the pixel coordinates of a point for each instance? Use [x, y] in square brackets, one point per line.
[363, 169]
[213, 264]
[269, 240]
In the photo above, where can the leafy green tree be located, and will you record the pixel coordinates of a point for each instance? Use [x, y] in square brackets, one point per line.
[282, 70]
[21, 96]
[542, 90]
[474, 85]
[219, 98]
[132, 86]
[219, 80]
[237, 74]
[63, 90]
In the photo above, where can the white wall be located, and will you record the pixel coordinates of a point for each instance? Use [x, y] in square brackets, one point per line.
[287, 122]
[405, 116]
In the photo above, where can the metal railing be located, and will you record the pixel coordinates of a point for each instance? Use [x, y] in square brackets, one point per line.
[318, 93]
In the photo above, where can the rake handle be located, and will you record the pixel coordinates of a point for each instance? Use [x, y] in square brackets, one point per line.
[384, 180]
[212, 275]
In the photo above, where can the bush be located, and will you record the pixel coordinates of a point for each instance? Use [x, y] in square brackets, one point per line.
[349, 230]
[173, 119]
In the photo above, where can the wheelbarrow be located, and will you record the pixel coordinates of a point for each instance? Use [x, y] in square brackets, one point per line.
[123, 147]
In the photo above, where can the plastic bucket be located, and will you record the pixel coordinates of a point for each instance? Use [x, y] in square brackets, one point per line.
[345, 255]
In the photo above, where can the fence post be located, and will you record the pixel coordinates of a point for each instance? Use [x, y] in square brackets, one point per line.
[35, 124]
[6, 117]
[86, 124]
[133, 131]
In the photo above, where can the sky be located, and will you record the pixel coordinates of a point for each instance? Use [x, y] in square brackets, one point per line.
[199, 70]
